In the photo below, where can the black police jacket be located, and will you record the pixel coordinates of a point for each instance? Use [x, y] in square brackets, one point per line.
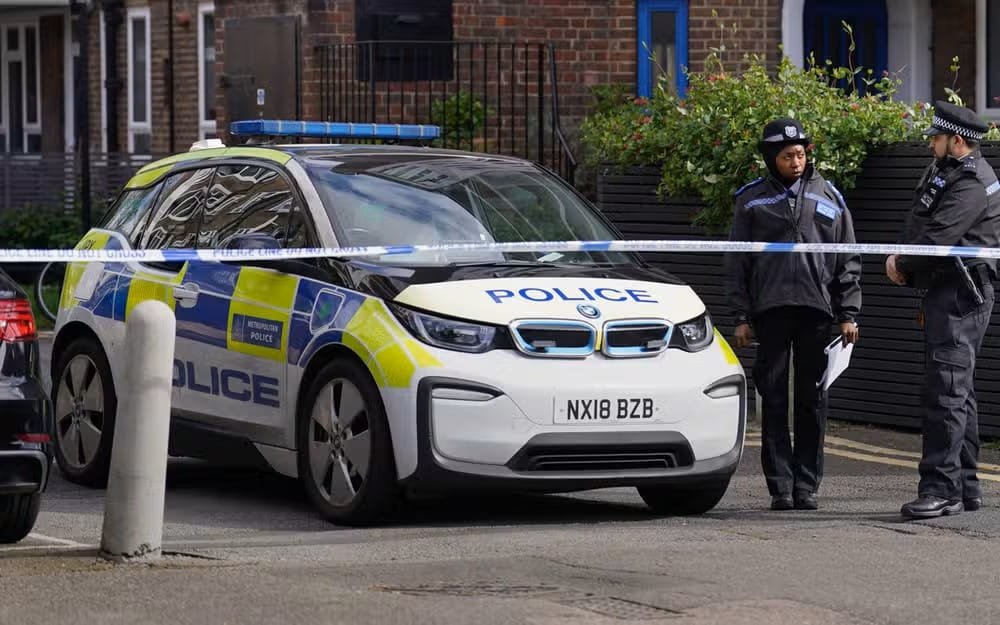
[956, 203]
[758, 282]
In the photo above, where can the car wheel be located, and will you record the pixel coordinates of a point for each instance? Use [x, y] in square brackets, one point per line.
[17, 516]
[345, 457]
[694, 498]
[84, 402]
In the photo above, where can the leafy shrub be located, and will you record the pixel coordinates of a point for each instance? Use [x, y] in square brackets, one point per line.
[39, 227]
[706, 142]
[461, 116]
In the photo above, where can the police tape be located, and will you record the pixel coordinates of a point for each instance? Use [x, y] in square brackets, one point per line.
[654, 246]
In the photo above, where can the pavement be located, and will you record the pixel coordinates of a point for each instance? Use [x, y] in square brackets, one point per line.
[245, 547]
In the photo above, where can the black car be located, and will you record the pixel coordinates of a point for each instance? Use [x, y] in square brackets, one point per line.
[25, 416]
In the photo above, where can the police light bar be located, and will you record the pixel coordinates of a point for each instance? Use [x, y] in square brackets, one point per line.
[332, 130]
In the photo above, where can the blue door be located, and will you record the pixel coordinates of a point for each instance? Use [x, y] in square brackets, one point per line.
[826, 39]
[662, 26]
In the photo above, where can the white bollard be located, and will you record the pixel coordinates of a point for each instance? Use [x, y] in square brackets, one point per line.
[133, 509]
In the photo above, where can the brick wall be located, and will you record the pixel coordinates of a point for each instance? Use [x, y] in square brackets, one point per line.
[595, 41]
[184, 23]
[954, 35]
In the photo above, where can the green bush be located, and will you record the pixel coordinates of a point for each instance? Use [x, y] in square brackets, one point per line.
[706, 142]
[462, 117]
[39, 227]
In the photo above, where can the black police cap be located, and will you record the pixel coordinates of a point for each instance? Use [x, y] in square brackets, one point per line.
[784, 131]
[951, 119]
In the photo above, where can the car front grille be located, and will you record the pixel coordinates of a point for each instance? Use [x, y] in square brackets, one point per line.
[554, 338]
[636, 338]
[570, 459]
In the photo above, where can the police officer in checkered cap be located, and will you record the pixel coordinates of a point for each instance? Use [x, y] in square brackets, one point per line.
[791, 301]
[957, 203]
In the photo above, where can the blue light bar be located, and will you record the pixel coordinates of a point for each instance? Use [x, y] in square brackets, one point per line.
[331, 130]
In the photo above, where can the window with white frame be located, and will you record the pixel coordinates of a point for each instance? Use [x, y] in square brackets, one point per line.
[206, 71]
[20, 88]
[139, 91]
[988, 57]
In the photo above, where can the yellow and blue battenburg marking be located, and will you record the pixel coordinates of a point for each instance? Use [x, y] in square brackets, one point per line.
[257, 312]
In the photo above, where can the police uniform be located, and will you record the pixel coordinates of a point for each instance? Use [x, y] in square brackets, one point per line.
[957, 203]
[791, 300]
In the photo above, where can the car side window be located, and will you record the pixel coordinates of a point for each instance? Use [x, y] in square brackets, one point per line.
[249, 199]
[175, 222]
[130, 212]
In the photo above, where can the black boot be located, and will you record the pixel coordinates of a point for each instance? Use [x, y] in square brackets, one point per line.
[928, 507]
[781, 502]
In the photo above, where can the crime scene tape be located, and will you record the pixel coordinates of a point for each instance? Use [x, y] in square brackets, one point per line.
[180, 255]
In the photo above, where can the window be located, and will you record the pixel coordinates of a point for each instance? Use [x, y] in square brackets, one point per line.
[825, 37]
[405, 40]
[662, 45]
[139, 93]
[174, 224]
[206, 71]
[246, 199]
[988, 57]
[130, 212]
[20, 97]
[443, 200]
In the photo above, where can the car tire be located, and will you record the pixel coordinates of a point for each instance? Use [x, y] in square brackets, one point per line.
[342, 427]
[688, 499]
[93, 406]
[17, 516]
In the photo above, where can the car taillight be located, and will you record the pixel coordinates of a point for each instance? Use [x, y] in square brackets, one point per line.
[32, 438]
[17, 322]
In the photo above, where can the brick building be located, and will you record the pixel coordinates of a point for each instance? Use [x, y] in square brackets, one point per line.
[165, 73]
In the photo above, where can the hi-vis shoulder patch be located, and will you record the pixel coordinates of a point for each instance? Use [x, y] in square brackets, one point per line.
[747, 186]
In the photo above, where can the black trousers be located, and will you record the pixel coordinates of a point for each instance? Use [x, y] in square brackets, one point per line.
[954, 327]
[803, 332]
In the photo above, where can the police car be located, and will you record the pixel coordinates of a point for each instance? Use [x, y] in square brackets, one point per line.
[372, 378]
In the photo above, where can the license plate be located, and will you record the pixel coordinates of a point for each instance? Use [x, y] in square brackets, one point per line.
[576, 410]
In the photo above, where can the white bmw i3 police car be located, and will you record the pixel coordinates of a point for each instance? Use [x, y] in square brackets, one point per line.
[370, 377]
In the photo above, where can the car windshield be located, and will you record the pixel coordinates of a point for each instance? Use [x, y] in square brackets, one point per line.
[420, 199]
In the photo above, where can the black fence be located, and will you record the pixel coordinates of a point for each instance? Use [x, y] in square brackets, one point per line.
[885, 379]
[54, 179]
[499, 98]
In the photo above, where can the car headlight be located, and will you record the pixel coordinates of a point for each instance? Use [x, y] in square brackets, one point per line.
[694, 335]
[463, 336]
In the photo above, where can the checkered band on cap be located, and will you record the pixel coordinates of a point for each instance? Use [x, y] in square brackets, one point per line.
[954, 128]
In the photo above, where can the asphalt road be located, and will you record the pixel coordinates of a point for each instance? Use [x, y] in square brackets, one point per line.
[246, 548]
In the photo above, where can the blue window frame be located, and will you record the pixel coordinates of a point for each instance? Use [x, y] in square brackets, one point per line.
[825, 36]
[663, 36]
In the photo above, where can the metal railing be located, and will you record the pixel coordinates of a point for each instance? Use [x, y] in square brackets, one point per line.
[493, 97]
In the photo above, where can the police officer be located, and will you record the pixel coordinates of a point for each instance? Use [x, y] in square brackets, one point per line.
[791, 300]
[956, 203]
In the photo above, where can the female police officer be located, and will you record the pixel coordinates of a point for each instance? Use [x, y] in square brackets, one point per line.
[791, 299]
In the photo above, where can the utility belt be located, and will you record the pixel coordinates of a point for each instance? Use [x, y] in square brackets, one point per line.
[973, 279]
[953, 271]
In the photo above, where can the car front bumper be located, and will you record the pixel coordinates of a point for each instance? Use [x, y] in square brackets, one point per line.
[475, 430]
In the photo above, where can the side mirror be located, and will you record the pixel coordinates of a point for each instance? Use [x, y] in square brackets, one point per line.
[258, 241]
[253, 241]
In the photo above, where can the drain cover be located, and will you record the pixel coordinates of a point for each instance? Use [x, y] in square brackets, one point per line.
[476, 589]
[620, 608]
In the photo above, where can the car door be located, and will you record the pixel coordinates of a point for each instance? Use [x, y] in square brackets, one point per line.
[236, 347]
